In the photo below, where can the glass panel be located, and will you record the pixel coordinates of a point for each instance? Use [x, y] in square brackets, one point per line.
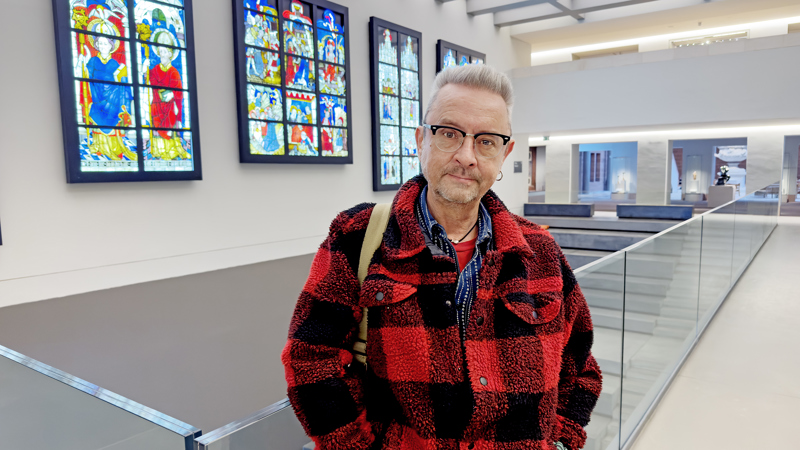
[108, 150]
[741, 237]
[167, 151]
[410, 113]
[390, 140]
[44, 408]
[273, 428]
[409, 141]
[409, 57]
[265, 103]
[263, 67]
[661, 294]
[410, 168]
[301, 107]
[160, 24]
[165, 108]
[477, 60]
[715, 270]
[463, 59]
[390, 170]
[387, 50]
[300, 73]
[261, 30]
[331, 21]
[298, 12]
[334, 110]
[334, 141]
[106, 105]
[298, 39]
[265, 6]
[303, 140]
[602, 283]
[100, 58]
[449, 59]
[163, 66]
[331, 79]
[113, 21]
[330, 46]
[389, 110]
[410, 84]
[267, 138]
[388, 79]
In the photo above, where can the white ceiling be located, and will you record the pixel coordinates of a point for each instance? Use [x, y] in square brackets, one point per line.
[551, 24]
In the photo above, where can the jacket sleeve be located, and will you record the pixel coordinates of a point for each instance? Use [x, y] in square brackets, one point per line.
[324, 390]
[580, 381]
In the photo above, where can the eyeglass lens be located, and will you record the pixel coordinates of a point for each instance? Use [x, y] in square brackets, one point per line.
[449, 140]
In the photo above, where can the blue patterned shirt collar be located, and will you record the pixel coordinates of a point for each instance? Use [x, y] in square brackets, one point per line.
[430, 226]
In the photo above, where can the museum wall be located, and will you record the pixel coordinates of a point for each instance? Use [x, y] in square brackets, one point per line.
[61, 239]
[704, 149]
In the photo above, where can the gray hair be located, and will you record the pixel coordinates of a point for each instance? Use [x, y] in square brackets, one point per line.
[478, 76]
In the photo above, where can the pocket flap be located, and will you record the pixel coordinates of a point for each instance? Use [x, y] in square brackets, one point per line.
[381, 291]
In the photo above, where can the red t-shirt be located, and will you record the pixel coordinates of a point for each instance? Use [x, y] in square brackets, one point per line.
[464, 251]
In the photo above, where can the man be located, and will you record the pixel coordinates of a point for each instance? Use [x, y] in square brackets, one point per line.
[478, 335]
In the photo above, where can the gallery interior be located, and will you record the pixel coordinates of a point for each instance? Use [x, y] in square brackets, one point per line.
[169, 168]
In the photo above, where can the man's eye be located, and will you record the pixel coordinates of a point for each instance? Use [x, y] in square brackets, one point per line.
[449, 134]
[487, 142]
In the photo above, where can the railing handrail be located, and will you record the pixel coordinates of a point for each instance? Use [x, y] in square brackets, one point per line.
[668, 230]
[135, 408]
[237, 425]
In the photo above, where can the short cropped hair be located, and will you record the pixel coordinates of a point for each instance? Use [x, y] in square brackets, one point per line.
[478, 76]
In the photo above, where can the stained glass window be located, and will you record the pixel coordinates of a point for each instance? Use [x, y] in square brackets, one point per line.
[126, 72]
[292, 80]
[396, 103]
[449, 55]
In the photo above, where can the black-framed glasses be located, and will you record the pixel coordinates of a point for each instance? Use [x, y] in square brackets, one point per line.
[449, 139]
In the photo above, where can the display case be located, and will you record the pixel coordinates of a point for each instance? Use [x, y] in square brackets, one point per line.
[396, 64]
[622, 177]
[126, 75]
[449, 55]
[693, 181]
[292, 79]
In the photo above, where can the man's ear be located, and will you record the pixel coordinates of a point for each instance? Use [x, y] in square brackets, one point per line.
[508, 150]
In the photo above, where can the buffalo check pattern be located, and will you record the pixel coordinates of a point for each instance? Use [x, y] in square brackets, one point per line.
[523, 377]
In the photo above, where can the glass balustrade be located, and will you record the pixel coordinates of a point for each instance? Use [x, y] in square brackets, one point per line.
[649, 304]
[42, 408]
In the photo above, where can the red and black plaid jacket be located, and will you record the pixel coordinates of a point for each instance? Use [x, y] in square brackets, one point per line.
[523, 377]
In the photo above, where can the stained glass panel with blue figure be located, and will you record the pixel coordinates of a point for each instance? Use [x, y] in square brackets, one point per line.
[331, 79]
[390, 110]
[334, 110]
[101, 58]
[333, 141]
[267, 138]
[263, 67]
[165, 108]
[390, 170]
[264, 6]
[303, 140]
[390, 140]
[107, 150]
[463, 60]
[168, 150]
[298, 39]
[108, 17]
[410, 113]
[449, 59]
[409, 53]
[477, 60]
[261, 30]
[104, 104]
[387, 79]
[264, 103]
[160, 24]
[300, 73]
[387, 49]
[162, 66]
[330, 21]
[409, 142]
[301, 107]
[330, 46]
[409, 84]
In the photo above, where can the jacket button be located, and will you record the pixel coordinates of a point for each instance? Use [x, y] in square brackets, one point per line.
[535, 316]
[448, 303]
[479, 320]
[484, 381]
[379, 296]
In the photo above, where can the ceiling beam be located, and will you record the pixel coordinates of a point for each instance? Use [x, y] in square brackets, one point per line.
[542, 11]
[478, 7]
[566, 7]
[443, 1]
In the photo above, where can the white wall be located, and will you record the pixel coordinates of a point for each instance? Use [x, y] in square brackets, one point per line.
[61, 239]
[789, 176]
[540, 168]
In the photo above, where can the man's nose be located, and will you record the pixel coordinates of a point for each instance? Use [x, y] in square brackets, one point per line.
[466, 153]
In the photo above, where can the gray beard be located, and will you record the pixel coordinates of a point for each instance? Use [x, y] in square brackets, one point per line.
[458, 196]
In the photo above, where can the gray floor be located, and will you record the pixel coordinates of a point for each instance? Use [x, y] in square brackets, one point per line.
[738, 389]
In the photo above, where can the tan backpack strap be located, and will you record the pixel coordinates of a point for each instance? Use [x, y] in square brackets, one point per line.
[372, 240]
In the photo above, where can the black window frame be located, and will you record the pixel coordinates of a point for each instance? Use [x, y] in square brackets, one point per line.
[442, 46]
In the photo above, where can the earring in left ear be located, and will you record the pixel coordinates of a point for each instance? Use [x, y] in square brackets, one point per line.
[501, 176]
